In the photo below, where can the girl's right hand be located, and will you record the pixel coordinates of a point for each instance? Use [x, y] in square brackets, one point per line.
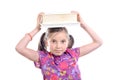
[39, 20]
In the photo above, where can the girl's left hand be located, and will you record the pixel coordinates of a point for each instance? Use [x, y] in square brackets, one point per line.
[79, 18]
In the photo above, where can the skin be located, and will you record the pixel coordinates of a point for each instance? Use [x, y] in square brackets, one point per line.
[58, 43]
[58, 47]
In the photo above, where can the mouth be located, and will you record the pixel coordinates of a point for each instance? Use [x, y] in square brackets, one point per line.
[58, 51]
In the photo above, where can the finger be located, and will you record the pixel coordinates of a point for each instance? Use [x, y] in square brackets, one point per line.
[40, 17]
[74, 12]
[41, 13]
[78, 15]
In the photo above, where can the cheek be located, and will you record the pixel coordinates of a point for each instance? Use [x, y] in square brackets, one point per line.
[66, 45]
[47, 43]
[51, 46]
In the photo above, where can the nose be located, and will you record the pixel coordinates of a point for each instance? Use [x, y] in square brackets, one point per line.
[58, 45]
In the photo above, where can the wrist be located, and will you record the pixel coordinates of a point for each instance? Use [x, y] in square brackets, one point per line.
[29, 35]
[38, 27]
[83, 25]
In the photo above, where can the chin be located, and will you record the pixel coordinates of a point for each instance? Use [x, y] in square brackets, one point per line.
[58, 54]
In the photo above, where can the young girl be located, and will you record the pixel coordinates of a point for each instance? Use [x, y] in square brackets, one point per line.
[55, 56]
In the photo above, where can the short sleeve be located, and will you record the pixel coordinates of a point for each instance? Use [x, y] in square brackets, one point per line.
[38, 64]
[42, 56]
[75, 52]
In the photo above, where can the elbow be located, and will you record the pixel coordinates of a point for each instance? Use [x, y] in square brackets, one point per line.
[18, 49]
[100, 43]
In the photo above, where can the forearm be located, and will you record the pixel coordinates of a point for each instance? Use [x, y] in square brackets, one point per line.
[27, 38]
[35, 31]
[96, 41]
[21, 47]
[91, 33]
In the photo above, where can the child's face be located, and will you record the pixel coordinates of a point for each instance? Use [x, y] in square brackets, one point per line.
[57, 43]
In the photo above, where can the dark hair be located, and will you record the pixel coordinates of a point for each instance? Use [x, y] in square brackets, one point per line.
[41, 45]
[71, 41]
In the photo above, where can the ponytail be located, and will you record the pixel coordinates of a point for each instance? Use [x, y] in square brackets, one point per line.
[71, 41]
[41, 45]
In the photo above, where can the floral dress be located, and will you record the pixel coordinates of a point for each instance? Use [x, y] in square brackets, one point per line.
[63, 67]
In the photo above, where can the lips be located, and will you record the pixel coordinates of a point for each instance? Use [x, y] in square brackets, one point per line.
[58, 51]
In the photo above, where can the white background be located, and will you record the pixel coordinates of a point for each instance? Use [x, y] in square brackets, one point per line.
[18, 17]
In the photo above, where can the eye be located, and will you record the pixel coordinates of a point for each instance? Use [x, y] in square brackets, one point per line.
[53, 41]
[63, 41]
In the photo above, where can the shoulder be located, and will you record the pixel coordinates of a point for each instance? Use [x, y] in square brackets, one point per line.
[75, 52]
[43, 53]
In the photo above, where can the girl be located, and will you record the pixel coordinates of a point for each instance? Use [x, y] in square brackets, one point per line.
[55, 56]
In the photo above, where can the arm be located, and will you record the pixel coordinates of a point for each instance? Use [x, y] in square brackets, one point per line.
[96, 40]
[21, 47]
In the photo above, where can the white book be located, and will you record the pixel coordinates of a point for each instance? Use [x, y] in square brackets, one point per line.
[59, 20]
